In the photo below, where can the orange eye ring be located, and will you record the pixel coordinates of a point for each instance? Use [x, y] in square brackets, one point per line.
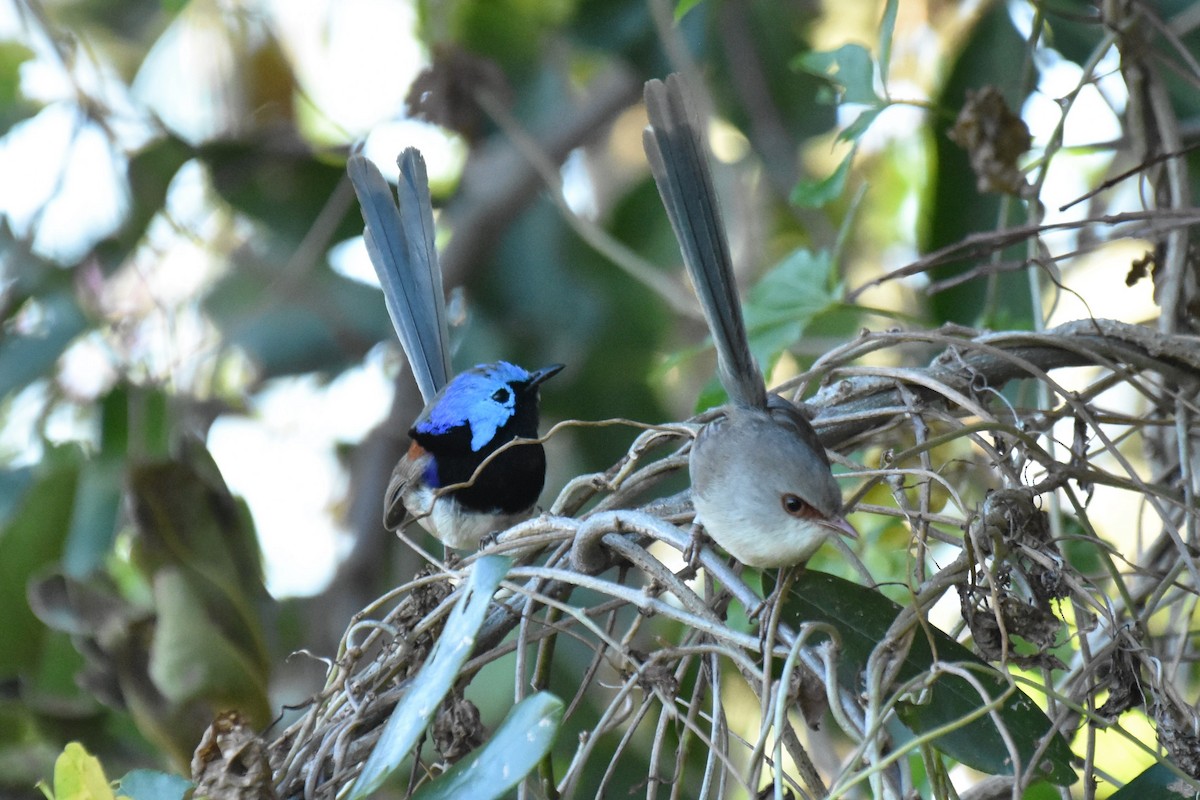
[794, 505]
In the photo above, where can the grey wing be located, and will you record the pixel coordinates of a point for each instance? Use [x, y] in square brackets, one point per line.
[675, 150]
[787, 415]
[405, 474]
[401, 245]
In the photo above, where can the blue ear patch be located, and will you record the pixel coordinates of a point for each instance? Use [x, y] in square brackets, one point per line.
[431, 477]
[483, 398]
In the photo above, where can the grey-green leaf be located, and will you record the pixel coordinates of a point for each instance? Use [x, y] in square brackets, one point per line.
[523, 738]
[414, 711]
[25, 358]
[149, 784]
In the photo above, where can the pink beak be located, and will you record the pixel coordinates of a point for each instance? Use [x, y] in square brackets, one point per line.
[839, 524]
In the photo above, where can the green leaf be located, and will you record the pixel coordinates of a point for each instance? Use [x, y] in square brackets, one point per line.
[712, 395]
[192, 658]
[13, 104]
[13, 484]
[56, 687]
[850, 68]
[25, 756]
[862, 122]
[322, 324]
[31, 539]
[12, 56]
[781, 306]
[683, 7]
[522, 740]
[509, 32]
[24, 359]
[76, 607]
[126, 410]
[887, 29]
[79, 776]
[189, 522]
[815, 194]
[284, 188]
[149, 784]
[952, 207]
[94, 516]
[151, 171]
[414, 711]
[195, 545]
[1157, 782]
[779, 309]
[862, 617]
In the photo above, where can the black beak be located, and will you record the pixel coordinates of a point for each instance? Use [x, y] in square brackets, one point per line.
[545, 373]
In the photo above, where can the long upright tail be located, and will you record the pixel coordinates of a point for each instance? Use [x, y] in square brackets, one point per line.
[675, 150]
[400, 242]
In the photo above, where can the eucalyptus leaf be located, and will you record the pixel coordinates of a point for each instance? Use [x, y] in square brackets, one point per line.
[522, 740]
[1157, 782]
[863, 616]
[430, 685]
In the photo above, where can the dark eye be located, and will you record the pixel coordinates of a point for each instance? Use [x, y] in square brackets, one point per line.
[794, 506]
[500, 396]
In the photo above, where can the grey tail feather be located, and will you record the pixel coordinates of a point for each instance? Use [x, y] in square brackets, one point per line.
[401, 245]
[675, 150]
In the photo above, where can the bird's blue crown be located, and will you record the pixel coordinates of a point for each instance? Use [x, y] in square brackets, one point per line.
[485, 398]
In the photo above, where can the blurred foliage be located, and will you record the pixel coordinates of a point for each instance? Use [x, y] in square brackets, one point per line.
[987, 59]
[131, 583]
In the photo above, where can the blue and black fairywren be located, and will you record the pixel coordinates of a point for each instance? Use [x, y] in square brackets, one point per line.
[761, 481]
[466, 419]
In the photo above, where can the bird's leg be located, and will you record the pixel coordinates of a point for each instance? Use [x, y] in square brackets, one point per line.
[691, 553]
[774, 601]
[752, 614]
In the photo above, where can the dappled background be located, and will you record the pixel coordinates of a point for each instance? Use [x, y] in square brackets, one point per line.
[201, 397]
